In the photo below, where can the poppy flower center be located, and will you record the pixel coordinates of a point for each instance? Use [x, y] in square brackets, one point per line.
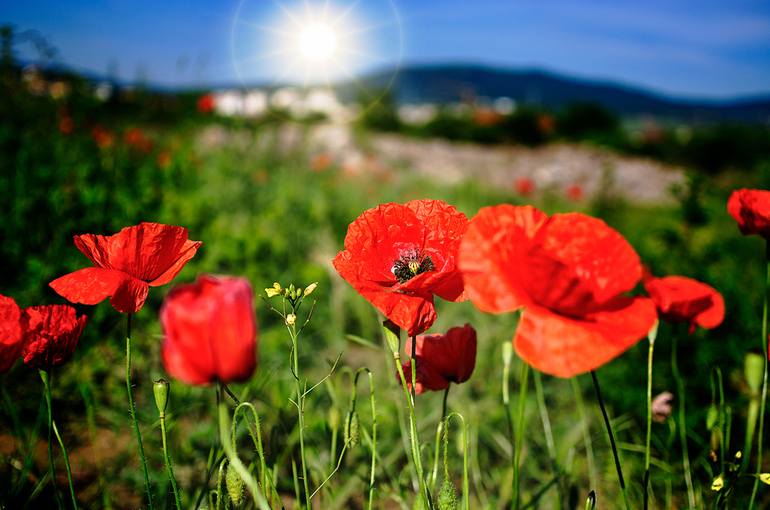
[410, 264]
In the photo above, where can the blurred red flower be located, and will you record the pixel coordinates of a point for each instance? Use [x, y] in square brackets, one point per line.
[682, 299]
[164, 159]
[443, 359]
[137, 140]
[399, 256]
[751, 209]
[104, 138]
[51, 333]
[206, 103]
[66, 125]
[210, 330]
[569, 272]
[524, 186]
[10, 333]
[575, 192]
[126, 263]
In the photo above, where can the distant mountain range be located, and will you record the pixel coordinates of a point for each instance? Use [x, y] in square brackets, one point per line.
[452, 83]
[449, 83]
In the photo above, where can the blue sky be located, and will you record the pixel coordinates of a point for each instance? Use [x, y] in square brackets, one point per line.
[703, 48]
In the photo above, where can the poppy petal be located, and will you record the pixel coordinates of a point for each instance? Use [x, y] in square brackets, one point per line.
[565, 347]
[491, 251]
[578, 254]
[130, 295]
[714, 314]
[415, 314]
[90, 285]
[188, 251]
[10, 333]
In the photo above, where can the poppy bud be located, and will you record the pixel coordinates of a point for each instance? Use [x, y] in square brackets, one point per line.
[507, 354]
[391, 336]
[210, 331]
[351, 433]
[591, 500]
[753, 371]
[51, 335]
[447, 496]
[160, 389]
[234, 486]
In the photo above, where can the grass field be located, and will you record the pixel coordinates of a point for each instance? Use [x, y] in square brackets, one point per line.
[275, 216]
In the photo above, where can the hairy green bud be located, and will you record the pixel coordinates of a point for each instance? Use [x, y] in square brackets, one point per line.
[234, 486]
[447, 496]
[351, 434]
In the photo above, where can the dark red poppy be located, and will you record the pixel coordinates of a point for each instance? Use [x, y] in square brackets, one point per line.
[575, 192]
[443, 359]
[10, 333]
[751, 209]
[399, 256]
[137, 140]
[524, 186]
[51, 333]
[210, 330]
[104, 138]
[569, 272]
[206, 103]
[682, 299]
[126, 264]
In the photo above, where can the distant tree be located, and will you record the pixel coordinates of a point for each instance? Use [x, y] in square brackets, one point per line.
[582, 120]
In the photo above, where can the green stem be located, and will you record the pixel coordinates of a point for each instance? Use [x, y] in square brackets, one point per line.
[415, 442]
[132, 412]
[300, 412]
[51, 466]
[680, 389]
[548, 432]
[608, 425]
[646, 480]
[586, 431]
[232, 457]
[439, 428]
[413, 366]
[167, 458]
[521, 404]
[763, 341]
[66, 465]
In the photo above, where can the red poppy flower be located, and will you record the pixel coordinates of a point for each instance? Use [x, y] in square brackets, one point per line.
[399, 256]
[136, 139]
[569, 272]
[524, 186]
[575, 192]
[751, 209]
[206, 103]
[125, 264]
[51, 334]
[443, 359]
[682, 299]
[210, 330]
[10, 333]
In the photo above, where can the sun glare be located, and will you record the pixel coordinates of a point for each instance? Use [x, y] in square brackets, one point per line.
[317, 42]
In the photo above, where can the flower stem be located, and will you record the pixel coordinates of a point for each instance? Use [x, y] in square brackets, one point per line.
[51, 466]
[415, 442]
[232, 457]
[66, 465]
[413, 366]
[132, 412]
[682, 424]
[646, 480]
[608, 425]
[167, 458]
[300, 411]
[434, 476]
[521, 404]
[763, 341]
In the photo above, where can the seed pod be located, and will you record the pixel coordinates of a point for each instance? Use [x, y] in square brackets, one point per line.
[351, 429]
[447, 496]
[160, 389]
[234, 486]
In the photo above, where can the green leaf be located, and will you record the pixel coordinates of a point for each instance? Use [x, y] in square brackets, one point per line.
[361, 341]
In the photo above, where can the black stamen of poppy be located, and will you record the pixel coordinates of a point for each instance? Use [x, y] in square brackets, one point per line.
[411, 264]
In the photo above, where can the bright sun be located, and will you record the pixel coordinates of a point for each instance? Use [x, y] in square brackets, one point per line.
[317, 42]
